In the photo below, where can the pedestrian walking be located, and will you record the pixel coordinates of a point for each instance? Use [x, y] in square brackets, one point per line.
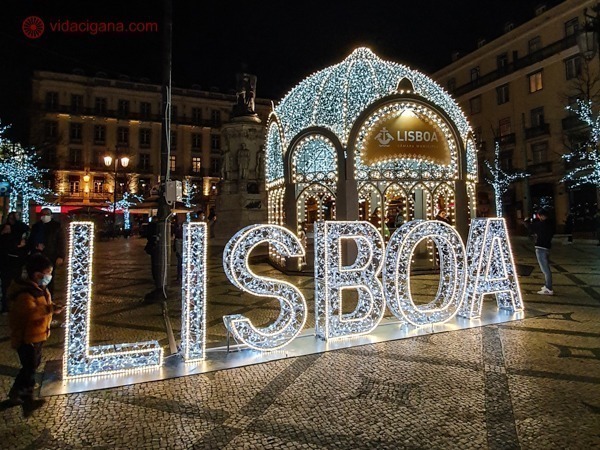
[48, 237]
[543, 228]
[31, 310]
[569, 226]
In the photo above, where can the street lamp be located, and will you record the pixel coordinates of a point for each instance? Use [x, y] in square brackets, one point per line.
[124, 163]
[587, 39]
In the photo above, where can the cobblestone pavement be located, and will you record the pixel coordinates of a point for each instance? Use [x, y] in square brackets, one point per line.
[531, 384]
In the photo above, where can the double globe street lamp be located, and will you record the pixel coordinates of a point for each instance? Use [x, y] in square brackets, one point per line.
[108, 161]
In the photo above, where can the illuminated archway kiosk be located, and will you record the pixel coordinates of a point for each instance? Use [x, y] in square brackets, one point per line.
[398, 139]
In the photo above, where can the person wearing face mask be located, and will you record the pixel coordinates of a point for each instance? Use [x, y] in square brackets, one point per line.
[47, 237]
[30, 314]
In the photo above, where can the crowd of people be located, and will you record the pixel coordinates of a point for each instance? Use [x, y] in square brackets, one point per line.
[28, 258]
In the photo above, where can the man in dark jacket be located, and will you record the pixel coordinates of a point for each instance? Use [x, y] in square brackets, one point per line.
[47, 237]
[543, 228]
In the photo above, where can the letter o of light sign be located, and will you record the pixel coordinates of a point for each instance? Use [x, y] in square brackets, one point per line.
[396, 273]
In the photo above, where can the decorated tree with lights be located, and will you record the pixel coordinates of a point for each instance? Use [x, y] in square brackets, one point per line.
[500, 179]
[585, 157]
[19, 166]
[124, 204]
[190, 191]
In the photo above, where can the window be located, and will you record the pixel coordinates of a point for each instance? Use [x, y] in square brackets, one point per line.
[539, 152]
[475, 104]
[51, 101]
[504, 126]
[145, 109]
[571, 27]
[196, 164]
[123, 108]
[502, 94]
[506, 160]
[100, 105]
[74, 185]
[535, 44]
[196, 116]
[474, 74]
[215, 167]
[451, 85]
[196, 141]
[75, 132]
[215, 142]
[99, 134]
[173, 140]
[145, 137]
[215, 117]
[49, 155]
[76, 103]
[51, 129]
[144, 161]
[99, 158]
[502, 62]
[123, 135]
[537, 117]
[173, 163]
[535, 82]
[75, 156]
[573, 67]
[98, 185]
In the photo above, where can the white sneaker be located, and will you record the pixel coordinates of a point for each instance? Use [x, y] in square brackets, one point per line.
[545, 291]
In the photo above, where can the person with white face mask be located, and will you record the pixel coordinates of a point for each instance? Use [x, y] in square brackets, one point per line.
[47, 237]
[30, 315]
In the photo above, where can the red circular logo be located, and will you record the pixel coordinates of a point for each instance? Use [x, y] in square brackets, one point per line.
[33, 27]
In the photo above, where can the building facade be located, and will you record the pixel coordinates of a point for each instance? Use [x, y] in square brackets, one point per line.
[77, 120]
[514, 91]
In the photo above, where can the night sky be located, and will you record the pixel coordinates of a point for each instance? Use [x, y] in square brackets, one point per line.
[281, 42]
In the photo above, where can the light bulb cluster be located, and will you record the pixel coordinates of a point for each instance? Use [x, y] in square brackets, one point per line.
[314, 159]
[80, 359]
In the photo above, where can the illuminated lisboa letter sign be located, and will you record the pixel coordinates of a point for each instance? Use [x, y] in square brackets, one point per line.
[378, 275]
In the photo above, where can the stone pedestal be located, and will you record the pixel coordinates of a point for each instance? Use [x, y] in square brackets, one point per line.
[242, 198]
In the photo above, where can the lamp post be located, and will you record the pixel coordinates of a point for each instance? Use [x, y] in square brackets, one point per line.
[587, 39]
[108, 160]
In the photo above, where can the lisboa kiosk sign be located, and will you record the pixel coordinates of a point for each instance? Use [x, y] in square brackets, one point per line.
[380, 275]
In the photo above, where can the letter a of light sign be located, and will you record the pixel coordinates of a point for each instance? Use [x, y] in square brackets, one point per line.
[488, 268]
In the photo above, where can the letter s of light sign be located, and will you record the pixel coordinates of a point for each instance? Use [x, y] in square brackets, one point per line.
[293, 312]
[332, 278]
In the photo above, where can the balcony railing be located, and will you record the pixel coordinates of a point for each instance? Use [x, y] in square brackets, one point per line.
[517, 64]
[571, 122]
[506, 139]
[540, 130]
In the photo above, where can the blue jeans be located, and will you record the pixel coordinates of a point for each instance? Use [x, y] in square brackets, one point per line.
[543, 257]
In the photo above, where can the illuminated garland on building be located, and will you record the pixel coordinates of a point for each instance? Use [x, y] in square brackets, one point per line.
[334, 97]
[332, 278]
[500, 180]
[314, 159]
[587, 156]
[80, 359]
[193, 308]
[293, 312]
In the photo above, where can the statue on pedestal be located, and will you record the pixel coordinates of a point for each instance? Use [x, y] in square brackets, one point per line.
[246, 94]
[243, 161]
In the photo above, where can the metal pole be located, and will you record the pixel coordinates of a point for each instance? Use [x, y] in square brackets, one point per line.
[114, 221]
